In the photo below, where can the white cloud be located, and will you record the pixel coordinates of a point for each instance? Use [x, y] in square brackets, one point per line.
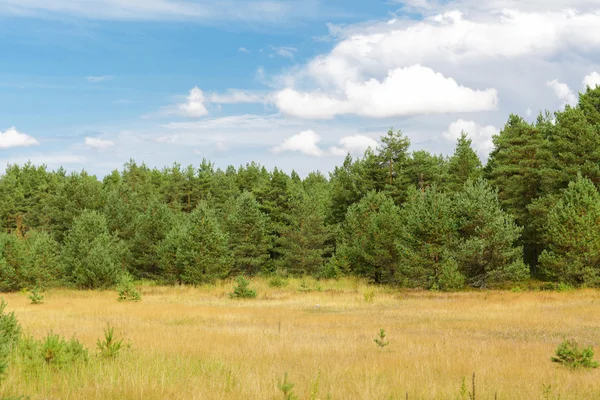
[97, 79]
[481, 136]
[355, 145]
[98, 144]
[13, 138]
[275, 12]
[592, 80]
[562, 92]
[237, 96]
[244, 50]
[285, 51]
[405, 91]
[304, 142]
[194, 106]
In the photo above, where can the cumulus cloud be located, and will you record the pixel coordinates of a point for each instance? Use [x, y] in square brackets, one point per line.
[355, 145]
[562, 92]
[405, 91]
[13, 138]
[194, 106]
[480, 135]
[305, 142]
[98, 144]
[102, 78]
[592, 80]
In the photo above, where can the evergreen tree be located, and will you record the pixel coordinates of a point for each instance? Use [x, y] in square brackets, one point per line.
[424, 170]
[250, 241]
[428, 240]
[307, 240]
[92, 256]
[486, 252]
[367, 239]
[573, 223]
[464, 165]
[196, 251]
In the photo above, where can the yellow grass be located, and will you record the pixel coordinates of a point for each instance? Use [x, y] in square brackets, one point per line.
[196, 343]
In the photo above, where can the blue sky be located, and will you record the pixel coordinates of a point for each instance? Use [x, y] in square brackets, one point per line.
[92, 83]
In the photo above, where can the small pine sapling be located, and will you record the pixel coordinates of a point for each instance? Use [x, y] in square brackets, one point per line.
[369, 296]
[571, 355]
[286, 388]
[110, 347]
[304, 286]
[242, 290]
[36, 296]
[380, 339]
[127, 289]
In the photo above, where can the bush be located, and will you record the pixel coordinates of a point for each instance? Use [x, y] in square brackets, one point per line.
[53, 350]
[242, 290]
[10, 331]
[571, 355]
[278, 281]
[127, 289]
[36, 297]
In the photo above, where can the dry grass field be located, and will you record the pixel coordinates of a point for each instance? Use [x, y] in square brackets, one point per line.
[197, 343]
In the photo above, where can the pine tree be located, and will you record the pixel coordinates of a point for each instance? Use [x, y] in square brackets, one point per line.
[486, 252]
[464, 165]
[196, 251]
[250, 241]
[424, 170]
[307, 240]
[92, 256]
[368, 236]
[573, 223]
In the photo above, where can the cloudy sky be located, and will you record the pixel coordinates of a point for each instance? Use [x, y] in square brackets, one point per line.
[295, 84]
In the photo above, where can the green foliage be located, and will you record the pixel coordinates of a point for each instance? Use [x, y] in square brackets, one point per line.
[127, 290]
[250, 240]
[242, 290]
[110, 347]
[278, 281]
[93, 257]
[10, 331]
[368, 238]
[57, 351]
[569, 354]
[380, 339]
[573, 251]
[36, 296]
[286, 388]
[369, 296]
[464, 165]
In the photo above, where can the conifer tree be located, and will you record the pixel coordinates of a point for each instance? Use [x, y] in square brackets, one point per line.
[368, 236]
[427, 242]
[92, 256]
[573, 223]
[249, 238]
[464, 165]
[486, 252]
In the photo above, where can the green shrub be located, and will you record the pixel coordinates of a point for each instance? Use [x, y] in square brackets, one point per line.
[571, 355]
[242, 290]
[369, 296]
[278, 281]
[110, 347]
[53, 350]
[286, 388]
[380, 339]
[127, 290]
[304, 286]
[10, 331]
[36, 297]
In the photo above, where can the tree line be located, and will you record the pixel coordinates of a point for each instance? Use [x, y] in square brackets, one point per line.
[394, 216]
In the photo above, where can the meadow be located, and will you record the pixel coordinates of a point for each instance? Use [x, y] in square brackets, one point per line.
[196, 343]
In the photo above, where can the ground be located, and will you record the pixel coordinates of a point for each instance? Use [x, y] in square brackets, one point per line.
[197, 343]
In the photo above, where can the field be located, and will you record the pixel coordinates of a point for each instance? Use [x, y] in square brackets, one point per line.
[197, 343]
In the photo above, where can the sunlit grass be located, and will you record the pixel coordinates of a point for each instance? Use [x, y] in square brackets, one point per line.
[197, 343]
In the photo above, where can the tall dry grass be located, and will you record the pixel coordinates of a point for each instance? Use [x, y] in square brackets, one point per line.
[196, 343]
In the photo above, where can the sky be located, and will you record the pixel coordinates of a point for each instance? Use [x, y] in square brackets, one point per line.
[91, 84]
